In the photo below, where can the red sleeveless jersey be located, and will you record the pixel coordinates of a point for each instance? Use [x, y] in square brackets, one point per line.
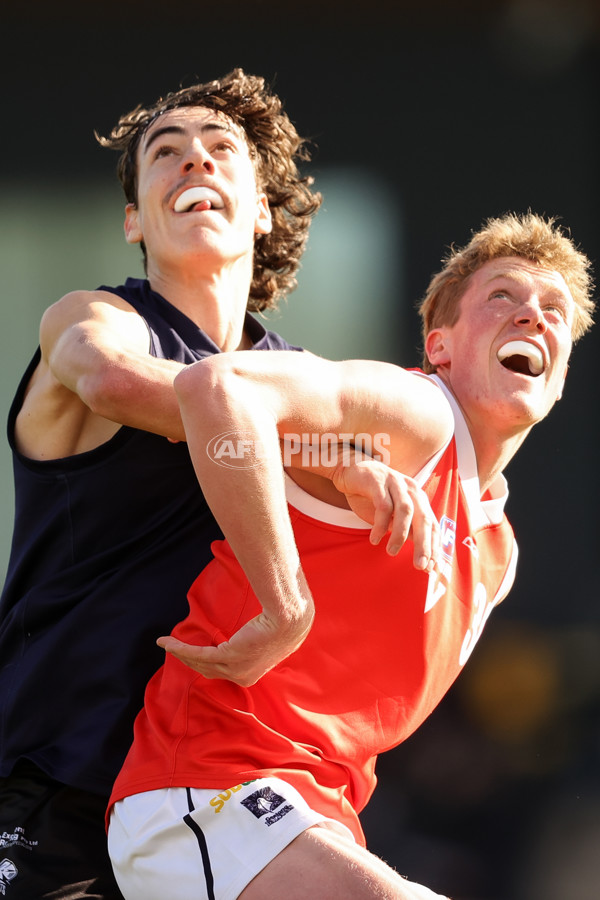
[386, 644]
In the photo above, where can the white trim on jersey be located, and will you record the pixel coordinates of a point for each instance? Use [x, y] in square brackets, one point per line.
[509, 576]
[481, 512]
[319, 510]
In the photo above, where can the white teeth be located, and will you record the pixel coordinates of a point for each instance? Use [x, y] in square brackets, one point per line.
[523, 348]
[195, 195]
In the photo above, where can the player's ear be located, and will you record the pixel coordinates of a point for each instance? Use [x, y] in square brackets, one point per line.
[437, 347]
[264, 221]
[133, 231]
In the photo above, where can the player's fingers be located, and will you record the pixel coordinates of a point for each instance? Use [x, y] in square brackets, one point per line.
[383, 516]
[202, 659]
[166, 641]
[403, 518]
[425, 534]
[176, 647]
[210, 661]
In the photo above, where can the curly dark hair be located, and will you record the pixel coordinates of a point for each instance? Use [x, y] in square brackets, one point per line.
[275, 148]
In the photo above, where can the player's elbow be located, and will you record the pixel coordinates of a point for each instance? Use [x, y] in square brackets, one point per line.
[190, 380]
[205, 378]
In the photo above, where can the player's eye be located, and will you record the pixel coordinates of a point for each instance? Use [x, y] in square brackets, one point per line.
[224, 146]
[163, 150]
[556, 310]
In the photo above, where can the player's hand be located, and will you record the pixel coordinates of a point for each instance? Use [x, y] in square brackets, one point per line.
[392, 503]
[251, 652]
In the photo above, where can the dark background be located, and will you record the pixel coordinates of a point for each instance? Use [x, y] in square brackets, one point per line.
[465, 110]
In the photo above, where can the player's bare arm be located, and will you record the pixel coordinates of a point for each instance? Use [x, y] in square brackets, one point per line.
[263, 401]
[294, 394]
[95, 375]
[303, 393]
[265, 547]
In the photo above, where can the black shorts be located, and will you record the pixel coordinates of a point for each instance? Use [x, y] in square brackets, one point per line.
[52, 840]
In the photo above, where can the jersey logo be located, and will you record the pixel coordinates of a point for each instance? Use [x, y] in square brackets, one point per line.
[438, 581]
[448, 537]
[265, 802]
[8, 871]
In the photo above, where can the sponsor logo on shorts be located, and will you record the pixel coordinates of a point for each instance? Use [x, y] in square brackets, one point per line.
[221, 799]
[8, 871]
[266, 803]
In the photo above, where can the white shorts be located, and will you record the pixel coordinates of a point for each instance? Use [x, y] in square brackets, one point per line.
[190, 844]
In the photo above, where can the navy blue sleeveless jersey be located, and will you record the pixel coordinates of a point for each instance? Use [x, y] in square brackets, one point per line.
[105, 545]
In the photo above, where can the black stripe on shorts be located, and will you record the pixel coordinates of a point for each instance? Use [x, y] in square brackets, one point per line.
[208, 875]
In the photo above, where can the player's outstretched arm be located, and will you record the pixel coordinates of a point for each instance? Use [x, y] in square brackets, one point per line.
[254, 403]
[248, 501]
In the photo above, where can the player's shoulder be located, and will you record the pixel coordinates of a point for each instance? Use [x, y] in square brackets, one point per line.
[79, 305]
[427, 399]
[85, 299]
[87, 315]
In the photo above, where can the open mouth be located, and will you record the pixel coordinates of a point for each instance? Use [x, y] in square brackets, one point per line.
[522, 357]
[198, 198]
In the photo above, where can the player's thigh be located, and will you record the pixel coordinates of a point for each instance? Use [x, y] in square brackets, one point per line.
[322, 863]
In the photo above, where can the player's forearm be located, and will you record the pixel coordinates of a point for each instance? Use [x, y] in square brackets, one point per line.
[234, 446]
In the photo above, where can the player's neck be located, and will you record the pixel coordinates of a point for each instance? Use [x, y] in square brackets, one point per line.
[494, 453]
[215, 302]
